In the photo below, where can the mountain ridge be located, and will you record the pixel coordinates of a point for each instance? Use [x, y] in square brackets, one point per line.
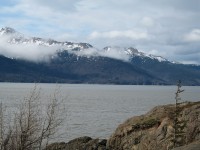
[18, 38]
[68, 62]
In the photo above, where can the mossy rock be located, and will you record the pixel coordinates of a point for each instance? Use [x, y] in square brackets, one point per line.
[147, 123]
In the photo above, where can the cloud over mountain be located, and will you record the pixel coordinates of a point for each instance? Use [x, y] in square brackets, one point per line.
[15, 45]
[163, 26]
[25, 51]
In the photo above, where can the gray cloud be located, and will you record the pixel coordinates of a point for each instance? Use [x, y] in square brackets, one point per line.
[159, 26]
[120, 34]
[59, 5]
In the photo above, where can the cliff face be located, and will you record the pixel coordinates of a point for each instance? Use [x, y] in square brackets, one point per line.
[155, 130]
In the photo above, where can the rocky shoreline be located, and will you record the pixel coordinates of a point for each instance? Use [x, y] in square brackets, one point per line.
[151, 131]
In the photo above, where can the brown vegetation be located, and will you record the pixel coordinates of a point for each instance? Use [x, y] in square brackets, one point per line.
[32, 125]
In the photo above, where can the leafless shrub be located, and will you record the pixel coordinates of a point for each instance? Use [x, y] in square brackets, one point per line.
[33, 124]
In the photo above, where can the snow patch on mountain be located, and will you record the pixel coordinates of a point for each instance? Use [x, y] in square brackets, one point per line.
[129, 53]
[14, 44]
[159, 58]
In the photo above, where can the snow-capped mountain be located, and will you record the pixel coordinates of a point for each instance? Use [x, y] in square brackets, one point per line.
[80, 49]
[70, 62]
[7, 30]
[15, 37]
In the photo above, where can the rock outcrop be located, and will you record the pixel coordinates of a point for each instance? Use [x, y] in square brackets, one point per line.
[155, 130]
[191, 146]
[82, 143]
[151, 131]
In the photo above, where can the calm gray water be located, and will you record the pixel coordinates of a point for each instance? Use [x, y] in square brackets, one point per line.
[96, 110]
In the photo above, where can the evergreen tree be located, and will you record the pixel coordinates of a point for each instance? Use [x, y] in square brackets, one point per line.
[179, 125]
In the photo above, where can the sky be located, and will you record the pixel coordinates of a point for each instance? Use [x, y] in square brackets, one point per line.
[168, 28]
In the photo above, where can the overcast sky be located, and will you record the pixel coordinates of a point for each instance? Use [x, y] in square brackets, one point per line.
[170, 28]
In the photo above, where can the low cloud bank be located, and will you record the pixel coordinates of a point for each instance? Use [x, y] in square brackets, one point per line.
[114, 52]
[28, 51]
[37, 53]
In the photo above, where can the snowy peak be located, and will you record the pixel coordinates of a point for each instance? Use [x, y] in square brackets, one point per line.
[130, 53]
[15, 37]
[7, 30]
[159, 58]
[11, 34]
[80, 49]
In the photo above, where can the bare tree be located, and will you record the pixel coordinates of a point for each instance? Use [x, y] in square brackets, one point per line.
[33, 124]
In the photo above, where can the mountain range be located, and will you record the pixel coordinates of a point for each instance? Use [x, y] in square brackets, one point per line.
[33, 59]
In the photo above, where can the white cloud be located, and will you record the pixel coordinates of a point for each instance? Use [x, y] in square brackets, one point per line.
[116, 53]
[147, 21]
[36, 52]
[113, 52]
[29, 51]
[120, 34]
[193, 36]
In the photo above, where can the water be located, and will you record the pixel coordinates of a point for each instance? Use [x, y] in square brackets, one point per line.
[97, 110]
